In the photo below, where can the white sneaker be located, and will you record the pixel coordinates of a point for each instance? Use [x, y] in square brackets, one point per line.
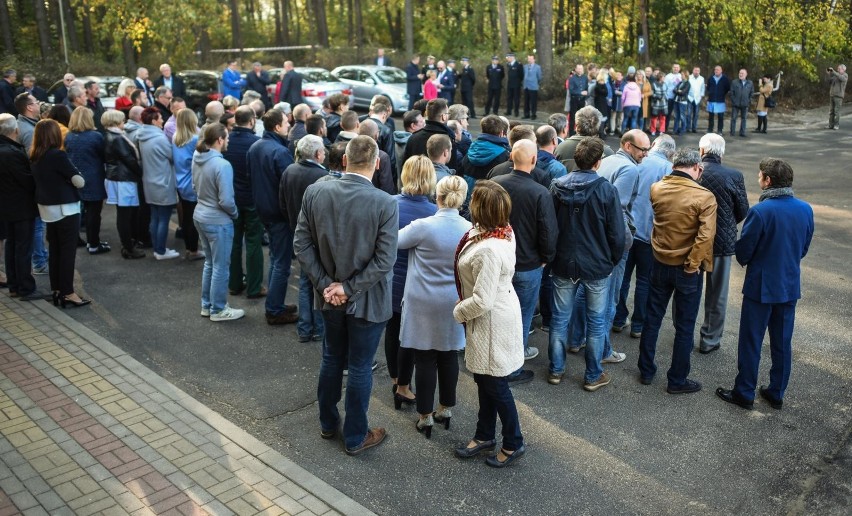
[205, 312]
[530, 353]
[228, 314]
[615, 358]
[170, 254]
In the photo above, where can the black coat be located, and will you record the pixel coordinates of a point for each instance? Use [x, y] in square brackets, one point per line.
[120, 161]
[412, 81]
[17, 186]
[60, 94]
[97, 109]
[178, 86]
[532, 219]
[294, 181]
[467, 78]
[291, 88]
[53, 173]
[36, 92]
[515, 72]
[165, 113]
[239, 143]
[728, 185]
[7, 98]
[416, 144]
[495, 76]
[259, 84]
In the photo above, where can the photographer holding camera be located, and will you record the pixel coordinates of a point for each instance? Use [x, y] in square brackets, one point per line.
[837, 79]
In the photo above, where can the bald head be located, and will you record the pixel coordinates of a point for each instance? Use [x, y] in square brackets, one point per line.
[636, 143]
[523, 155]
[135, 113]
[369, 128]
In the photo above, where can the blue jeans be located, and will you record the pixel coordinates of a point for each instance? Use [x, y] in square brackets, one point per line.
[564, 302]
[527, 285]
[310, 320]
[693, 115]
[680, 118]
[280, 259]
[631, 118]
[39, 250]
[216, 241]
[159, 227]
[639, 258]
[545, 296]
[578, 320]
[665, 281]
[352, 340]
[495, 398]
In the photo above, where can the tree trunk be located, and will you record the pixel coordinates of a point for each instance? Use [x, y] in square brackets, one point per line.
[612, 26]
[88, 37]
[409, 28]
[559, 26]
[577, 33]
[129, 56]
[6, 28]
[276, 5]
[236, 37]
[646, 52]
[43, 29]
[631, 30]
[70, 26]
[285, 21]
[359, 29]
[597, 26]
[544, 37]
[504, 26]
[350, 24]
[322, 24]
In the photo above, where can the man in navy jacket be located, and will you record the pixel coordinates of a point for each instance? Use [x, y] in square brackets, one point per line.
[775, 237]
[412, 79]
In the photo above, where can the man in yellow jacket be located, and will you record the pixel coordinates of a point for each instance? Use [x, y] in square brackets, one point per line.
[682, 243]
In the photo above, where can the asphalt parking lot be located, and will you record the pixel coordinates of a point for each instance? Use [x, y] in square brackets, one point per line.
[627, 448]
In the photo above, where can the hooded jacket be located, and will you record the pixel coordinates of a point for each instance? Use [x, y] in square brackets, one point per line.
[213, 181]
[131, 130]
[158, 173]
[548, 162]
[591, 231]
[485, 153]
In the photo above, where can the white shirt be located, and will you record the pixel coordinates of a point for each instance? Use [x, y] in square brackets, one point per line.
[671, 80]
[696, 89]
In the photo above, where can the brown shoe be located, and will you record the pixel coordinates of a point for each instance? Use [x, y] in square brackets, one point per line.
[597, 384]
[374, 438]
[282, 318]
[259, 295]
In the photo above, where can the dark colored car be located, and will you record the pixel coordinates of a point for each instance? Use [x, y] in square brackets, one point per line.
[202, 86]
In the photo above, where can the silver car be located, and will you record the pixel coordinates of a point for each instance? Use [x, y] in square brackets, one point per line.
[108, 93]
[367, 81]
[317, 85]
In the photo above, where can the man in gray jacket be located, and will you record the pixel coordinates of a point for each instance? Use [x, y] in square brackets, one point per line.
[741, 91]
[837, 79]
[351, 271]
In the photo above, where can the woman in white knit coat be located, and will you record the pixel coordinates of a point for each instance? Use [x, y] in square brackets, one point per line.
[491, 312]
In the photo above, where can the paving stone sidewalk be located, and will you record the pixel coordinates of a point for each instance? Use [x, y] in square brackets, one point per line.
[86, 429]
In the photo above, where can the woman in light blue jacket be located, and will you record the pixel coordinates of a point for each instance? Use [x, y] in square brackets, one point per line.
[183, 147]
[158, 180]
[428, 326]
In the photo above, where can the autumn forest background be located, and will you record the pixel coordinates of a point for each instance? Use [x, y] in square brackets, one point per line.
[800, 37]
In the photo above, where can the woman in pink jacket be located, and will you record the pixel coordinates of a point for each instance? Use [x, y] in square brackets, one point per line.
[430, 91]
[631, 101]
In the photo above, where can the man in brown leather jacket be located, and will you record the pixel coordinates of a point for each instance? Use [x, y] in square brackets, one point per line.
[682, 242]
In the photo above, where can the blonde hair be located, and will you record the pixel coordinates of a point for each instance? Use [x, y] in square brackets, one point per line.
[602, 76]
[112, 118]
[451, 191]
[230, 102]
[81, 120]
[123, 85]
[418, 176]
[187, 127]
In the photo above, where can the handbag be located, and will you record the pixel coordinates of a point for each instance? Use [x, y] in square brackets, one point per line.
[769, 101]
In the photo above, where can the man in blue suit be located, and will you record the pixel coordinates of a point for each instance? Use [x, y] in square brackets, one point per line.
[232, 81]
[775, 237]
[413, 82]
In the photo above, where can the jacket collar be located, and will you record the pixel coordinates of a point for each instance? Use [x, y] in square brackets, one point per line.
[683, 175]
[358, 178]
[624, 153]
[244, 130]
[314, 164]
[9, 141]
[711, 158]
[275, 137]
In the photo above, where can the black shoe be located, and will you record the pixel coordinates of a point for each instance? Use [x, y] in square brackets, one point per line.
[463, 452]
[494, 462]
[688, 387]
[707, 351]
[525, 376]
[426, 429]
[646, 380]
[399, 399]
[35, 295]
[101, 248]
[774, 403]
[81, 242]
[132, 254]
[330, 434]
[64, 302]
[730, 397]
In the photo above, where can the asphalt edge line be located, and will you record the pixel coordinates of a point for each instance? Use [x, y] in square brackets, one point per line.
[254, 447]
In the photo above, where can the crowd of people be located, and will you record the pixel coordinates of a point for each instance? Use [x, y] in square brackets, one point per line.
[443, 242]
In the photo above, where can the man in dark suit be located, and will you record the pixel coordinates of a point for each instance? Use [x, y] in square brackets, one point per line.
[430, 65]
[414, 86]
[382, 59]
[172, 82]
[7, 93]
[514, 84]
[60, 94]
[775, 237]
[495, 74]
[291, 85]
[351, 272]
[144, 83]
[28, 85]
[257, 80]
[467, 78]
[447, 78]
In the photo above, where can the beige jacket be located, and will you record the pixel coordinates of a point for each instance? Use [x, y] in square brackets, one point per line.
[684, 223]
[490, 308]
[838, 83]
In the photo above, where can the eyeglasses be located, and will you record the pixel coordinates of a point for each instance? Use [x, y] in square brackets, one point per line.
[643, 149]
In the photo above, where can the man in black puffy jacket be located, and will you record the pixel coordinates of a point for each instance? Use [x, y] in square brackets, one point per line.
[590, 244]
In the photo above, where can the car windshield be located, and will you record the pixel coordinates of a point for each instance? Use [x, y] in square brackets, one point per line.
[391, 76]
[109, 89]
[318, 76]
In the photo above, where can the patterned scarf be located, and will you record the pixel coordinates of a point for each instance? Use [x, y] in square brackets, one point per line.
[771, 193]
[502, 233]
